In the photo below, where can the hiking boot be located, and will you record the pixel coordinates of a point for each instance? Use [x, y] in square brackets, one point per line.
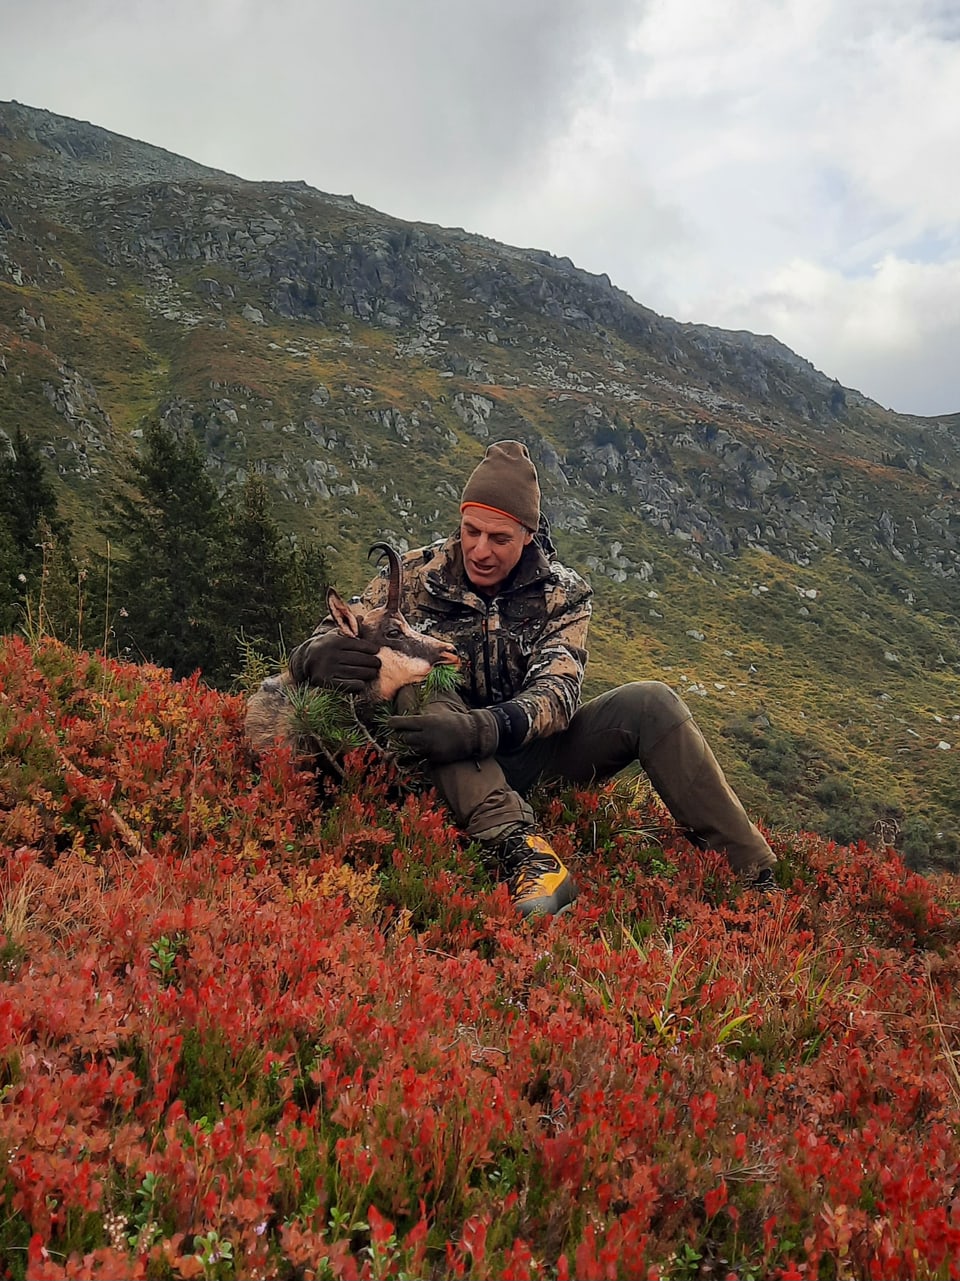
[763, 882]
[538, 882]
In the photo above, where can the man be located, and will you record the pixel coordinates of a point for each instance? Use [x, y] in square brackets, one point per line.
[519, 620]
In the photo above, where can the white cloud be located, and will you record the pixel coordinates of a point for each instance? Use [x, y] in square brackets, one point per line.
[893, 331]
[784, 166]
[416, 107]
[805, 152]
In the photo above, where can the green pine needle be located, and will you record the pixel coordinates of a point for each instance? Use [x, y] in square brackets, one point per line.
[441, 680]
[325, 715]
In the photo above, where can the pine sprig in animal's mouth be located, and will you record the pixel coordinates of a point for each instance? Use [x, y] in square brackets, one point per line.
[334, 723]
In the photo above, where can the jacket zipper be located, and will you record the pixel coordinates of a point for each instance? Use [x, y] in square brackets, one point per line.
[488, 677]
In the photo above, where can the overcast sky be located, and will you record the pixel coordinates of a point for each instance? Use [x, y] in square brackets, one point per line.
[784, 166]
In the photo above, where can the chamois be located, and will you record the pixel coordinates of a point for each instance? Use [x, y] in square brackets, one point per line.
[406, 657]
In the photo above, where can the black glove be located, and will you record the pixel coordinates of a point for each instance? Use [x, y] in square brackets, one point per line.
[443, 734]
[338, 661]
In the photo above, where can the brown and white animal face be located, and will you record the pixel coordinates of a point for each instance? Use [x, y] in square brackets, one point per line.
[406, 657]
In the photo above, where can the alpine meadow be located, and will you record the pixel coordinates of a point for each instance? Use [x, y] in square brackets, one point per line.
[260, 1019]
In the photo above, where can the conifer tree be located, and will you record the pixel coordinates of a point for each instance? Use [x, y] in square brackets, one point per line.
[169, 528]
[310, 579]
[257, 568]
[11, 586]
[27, 496]
[30, 522]
[273, 587]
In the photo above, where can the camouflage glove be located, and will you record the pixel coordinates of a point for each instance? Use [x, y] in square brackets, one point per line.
[442, 735]
[336, 661]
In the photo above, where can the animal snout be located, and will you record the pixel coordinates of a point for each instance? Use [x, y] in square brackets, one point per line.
[448, 657]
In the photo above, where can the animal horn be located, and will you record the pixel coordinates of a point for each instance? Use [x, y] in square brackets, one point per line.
[393, 592]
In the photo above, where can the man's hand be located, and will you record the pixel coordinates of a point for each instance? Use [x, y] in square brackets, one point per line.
[342, 662]
[442, 735]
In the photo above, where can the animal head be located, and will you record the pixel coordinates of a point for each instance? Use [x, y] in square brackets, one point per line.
[406, 656]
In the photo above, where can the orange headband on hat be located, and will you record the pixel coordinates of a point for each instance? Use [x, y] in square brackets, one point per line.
[487, 508]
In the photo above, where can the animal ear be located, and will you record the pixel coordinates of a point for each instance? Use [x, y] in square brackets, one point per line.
[342, 614]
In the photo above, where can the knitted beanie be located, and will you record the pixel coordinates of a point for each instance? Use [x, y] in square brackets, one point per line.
[505, 481]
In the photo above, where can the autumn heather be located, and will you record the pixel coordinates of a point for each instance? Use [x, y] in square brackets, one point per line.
[247, 1029]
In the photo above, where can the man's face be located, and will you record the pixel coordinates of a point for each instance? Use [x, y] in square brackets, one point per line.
[492, 546]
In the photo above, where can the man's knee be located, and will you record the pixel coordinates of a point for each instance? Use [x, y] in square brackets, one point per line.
[653, 709]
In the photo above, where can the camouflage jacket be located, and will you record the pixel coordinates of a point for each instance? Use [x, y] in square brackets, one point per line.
[526, 644]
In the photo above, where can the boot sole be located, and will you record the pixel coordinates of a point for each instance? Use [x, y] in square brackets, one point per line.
[544, 911]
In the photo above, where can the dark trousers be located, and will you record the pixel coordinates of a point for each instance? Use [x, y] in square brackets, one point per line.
[645, 722]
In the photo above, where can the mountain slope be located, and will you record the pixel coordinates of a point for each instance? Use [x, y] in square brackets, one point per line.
[779, 547]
